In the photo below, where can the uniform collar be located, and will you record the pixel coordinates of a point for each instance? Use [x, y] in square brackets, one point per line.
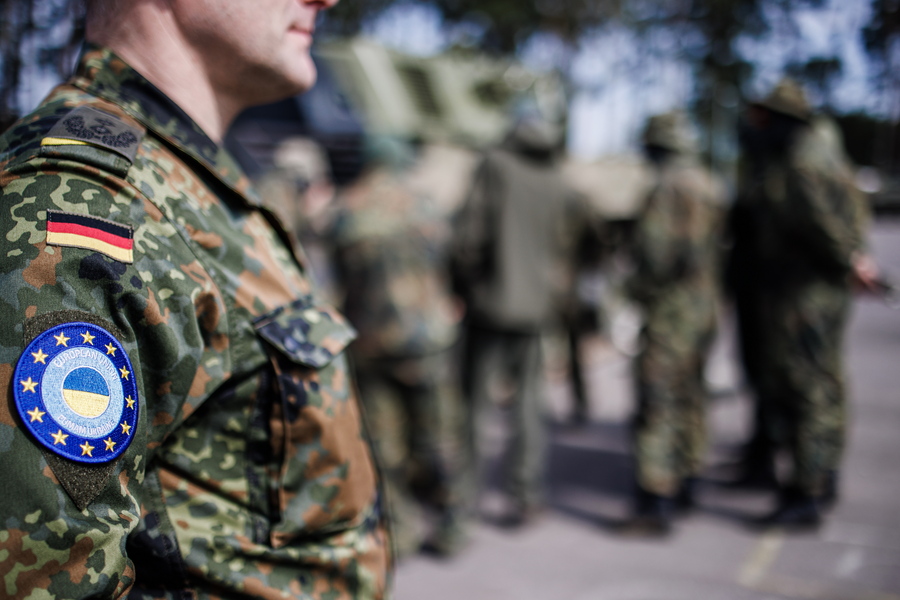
[102, 73]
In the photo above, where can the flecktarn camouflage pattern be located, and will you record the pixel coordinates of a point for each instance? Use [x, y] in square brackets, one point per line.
[811, 222]
[388, 246]
[676, 255]
[245, 472]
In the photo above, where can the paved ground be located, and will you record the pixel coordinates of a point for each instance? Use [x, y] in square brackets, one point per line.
[571, 553]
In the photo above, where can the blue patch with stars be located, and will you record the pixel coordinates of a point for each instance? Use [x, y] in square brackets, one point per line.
[74, 389]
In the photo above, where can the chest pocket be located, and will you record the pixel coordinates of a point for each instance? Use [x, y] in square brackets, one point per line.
[326, 479]
[307, 334]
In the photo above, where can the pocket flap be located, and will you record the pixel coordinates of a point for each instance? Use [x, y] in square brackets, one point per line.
[309, 334]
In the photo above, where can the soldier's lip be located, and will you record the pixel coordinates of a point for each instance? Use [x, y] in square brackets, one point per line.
[302, 30]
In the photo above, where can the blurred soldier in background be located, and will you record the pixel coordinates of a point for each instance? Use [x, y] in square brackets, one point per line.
[511, 263]
[389, 253]
[743, 283]
[807, 245]
[676, 258]
[299, 189]
[581, 311]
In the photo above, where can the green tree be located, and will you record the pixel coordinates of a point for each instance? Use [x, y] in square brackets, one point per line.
[882, 40]
[36, 36]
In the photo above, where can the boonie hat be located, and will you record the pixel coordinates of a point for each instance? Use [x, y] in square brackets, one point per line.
[670, 131]
[787, 98]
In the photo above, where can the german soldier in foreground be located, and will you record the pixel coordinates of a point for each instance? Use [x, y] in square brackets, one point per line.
[177, 416]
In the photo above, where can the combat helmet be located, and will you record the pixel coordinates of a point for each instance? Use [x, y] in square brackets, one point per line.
[670, 131]
[787, 98]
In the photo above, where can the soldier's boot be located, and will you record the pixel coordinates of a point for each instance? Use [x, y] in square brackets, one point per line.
[829, 496]
[756, 469]
[686, 499]
[449, 537]
[520, 514]
[652, 516]
[579, 417]
[796, 510]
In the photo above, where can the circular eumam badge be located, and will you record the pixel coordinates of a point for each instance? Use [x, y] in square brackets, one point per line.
[74, 389]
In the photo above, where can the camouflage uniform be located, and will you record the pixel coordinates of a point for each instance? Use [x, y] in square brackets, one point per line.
[388, 243]
[247, 473]
[676, 255]
[812, 222]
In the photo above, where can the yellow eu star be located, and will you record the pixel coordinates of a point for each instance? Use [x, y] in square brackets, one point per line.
[59, 437]
[29, 385]
[130, 401]
[88, 338]
[110, 349]
[126, 428]
[40, 357]
[36, 415]
[61, 339]
[125, 372]
[86, 449]
[110, 444]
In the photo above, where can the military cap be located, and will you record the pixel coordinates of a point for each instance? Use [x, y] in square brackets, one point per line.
[670, 131]
[389, 151]
[303, 157]
[787, 98]
[533, 131]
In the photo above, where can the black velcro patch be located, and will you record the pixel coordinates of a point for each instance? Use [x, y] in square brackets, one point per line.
[92, 126]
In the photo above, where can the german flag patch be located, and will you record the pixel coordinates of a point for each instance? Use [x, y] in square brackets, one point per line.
[91, 233]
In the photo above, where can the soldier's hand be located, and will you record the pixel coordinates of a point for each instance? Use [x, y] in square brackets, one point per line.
[866, 275]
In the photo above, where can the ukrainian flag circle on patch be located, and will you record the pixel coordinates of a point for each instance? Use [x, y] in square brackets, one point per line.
[74, 388]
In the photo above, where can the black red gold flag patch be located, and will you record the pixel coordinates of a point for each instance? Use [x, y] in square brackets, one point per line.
[92, 233]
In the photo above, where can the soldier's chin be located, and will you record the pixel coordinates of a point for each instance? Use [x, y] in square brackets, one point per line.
[307, 76]
[300, 73]
[282, 87]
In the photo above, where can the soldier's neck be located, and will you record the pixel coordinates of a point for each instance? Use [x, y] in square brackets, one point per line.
[152, 44]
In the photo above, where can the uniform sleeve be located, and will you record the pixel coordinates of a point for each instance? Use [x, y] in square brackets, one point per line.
[826, 212]
[65, 523]
[471, 251]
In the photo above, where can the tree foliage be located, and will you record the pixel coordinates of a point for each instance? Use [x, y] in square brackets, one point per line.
[705, 33]
[37, 38]
[707, 29]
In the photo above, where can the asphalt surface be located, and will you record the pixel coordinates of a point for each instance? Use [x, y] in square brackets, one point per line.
[572, 552]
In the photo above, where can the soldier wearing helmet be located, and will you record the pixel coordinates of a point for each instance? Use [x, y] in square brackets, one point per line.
[676, 258]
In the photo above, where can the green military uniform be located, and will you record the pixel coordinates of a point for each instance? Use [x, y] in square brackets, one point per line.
[676, 255]
[812, 224]
[512, 263]
[388, 244]
[186, 427]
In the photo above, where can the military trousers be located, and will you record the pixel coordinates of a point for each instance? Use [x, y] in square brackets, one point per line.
[515, 358]
[669, 427]
[802, 383]
[402, 398]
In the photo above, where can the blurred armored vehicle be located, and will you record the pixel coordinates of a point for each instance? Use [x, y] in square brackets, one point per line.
[453, 104]
[458, 97]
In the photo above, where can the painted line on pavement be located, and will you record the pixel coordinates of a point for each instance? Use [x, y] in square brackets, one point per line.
[762, 557]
